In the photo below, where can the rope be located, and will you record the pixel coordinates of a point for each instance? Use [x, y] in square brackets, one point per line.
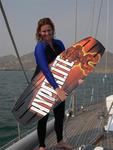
[107, 37]
[12, 39]
[98, 18]
[15, 48]
[92, 18]
[75, 20]
[106, 54]
[91, 31]
[92, 93]
[70, 104]
[69, 113]
[97, 28]
[71, 100]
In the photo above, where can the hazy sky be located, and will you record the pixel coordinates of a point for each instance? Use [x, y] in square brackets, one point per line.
[24, 14]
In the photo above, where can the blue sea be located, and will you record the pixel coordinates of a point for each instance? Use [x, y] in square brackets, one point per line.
[12, 83]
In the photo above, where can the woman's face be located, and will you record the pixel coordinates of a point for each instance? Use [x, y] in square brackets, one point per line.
[46, 32]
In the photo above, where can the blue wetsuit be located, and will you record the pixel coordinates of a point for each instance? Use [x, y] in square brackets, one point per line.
[44, 55]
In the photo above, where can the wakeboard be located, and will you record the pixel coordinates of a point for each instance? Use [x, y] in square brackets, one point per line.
[75, 63]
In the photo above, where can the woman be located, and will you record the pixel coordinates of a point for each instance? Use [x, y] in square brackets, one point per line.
[46, 50]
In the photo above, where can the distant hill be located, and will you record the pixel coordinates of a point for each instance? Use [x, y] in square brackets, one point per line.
[107, 60]
[11, 62]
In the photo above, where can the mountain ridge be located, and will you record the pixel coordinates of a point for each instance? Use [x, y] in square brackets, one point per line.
[10, 62]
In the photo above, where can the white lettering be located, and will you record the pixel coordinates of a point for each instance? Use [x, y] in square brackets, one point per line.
[44, 97]
[40, 107]
[65, 62]
[58, 77]
[63, 67]
[60, 71]
[45, 91]
[60, 82]
[38, 111]
[47, 87]
[42, 101]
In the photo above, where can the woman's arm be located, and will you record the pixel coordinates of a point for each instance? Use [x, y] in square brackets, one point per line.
[41, 60]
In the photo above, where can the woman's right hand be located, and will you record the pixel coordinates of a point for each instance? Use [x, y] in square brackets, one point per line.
[61, 94]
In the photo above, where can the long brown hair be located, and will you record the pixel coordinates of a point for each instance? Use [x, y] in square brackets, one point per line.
[41, 22]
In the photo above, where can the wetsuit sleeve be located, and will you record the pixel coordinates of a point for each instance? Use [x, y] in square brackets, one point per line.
[42, 62]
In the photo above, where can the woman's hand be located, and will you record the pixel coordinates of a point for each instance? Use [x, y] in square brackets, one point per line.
[80, 81]
[61, 94]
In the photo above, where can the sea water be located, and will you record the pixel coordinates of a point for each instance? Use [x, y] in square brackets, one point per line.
[12, 83]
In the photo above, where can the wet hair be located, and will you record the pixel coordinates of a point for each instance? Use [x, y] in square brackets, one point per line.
[41, 22]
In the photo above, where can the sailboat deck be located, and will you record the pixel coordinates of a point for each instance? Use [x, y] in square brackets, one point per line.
[84, 129]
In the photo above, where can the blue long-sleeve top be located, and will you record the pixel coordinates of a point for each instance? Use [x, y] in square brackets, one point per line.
[44, 55]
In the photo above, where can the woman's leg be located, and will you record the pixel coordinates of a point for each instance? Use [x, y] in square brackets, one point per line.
[41, 129]
[59, 112]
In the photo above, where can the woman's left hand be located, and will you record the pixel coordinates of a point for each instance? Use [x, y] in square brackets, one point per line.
[80, 81]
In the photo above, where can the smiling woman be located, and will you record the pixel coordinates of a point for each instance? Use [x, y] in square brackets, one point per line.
[45, 28]
[46, 50]
[22, 17]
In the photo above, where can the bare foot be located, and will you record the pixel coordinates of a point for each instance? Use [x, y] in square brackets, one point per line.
[64, 145]
[41, 148]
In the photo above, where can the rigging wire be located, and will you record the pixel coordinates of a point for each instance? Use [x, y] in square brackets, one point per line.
[15, 48]
[98, 21]
[76, 13]
[97, 27]
[75, 20]
[107, 37]
[71, 107]
[12, 39]
[106, 54]
[75, 32]
[92, 18]
[71, 101]
[95, 35]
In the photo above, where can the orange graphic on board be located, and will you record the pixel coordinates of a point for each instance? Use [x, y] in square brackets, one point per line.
[85, 61]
